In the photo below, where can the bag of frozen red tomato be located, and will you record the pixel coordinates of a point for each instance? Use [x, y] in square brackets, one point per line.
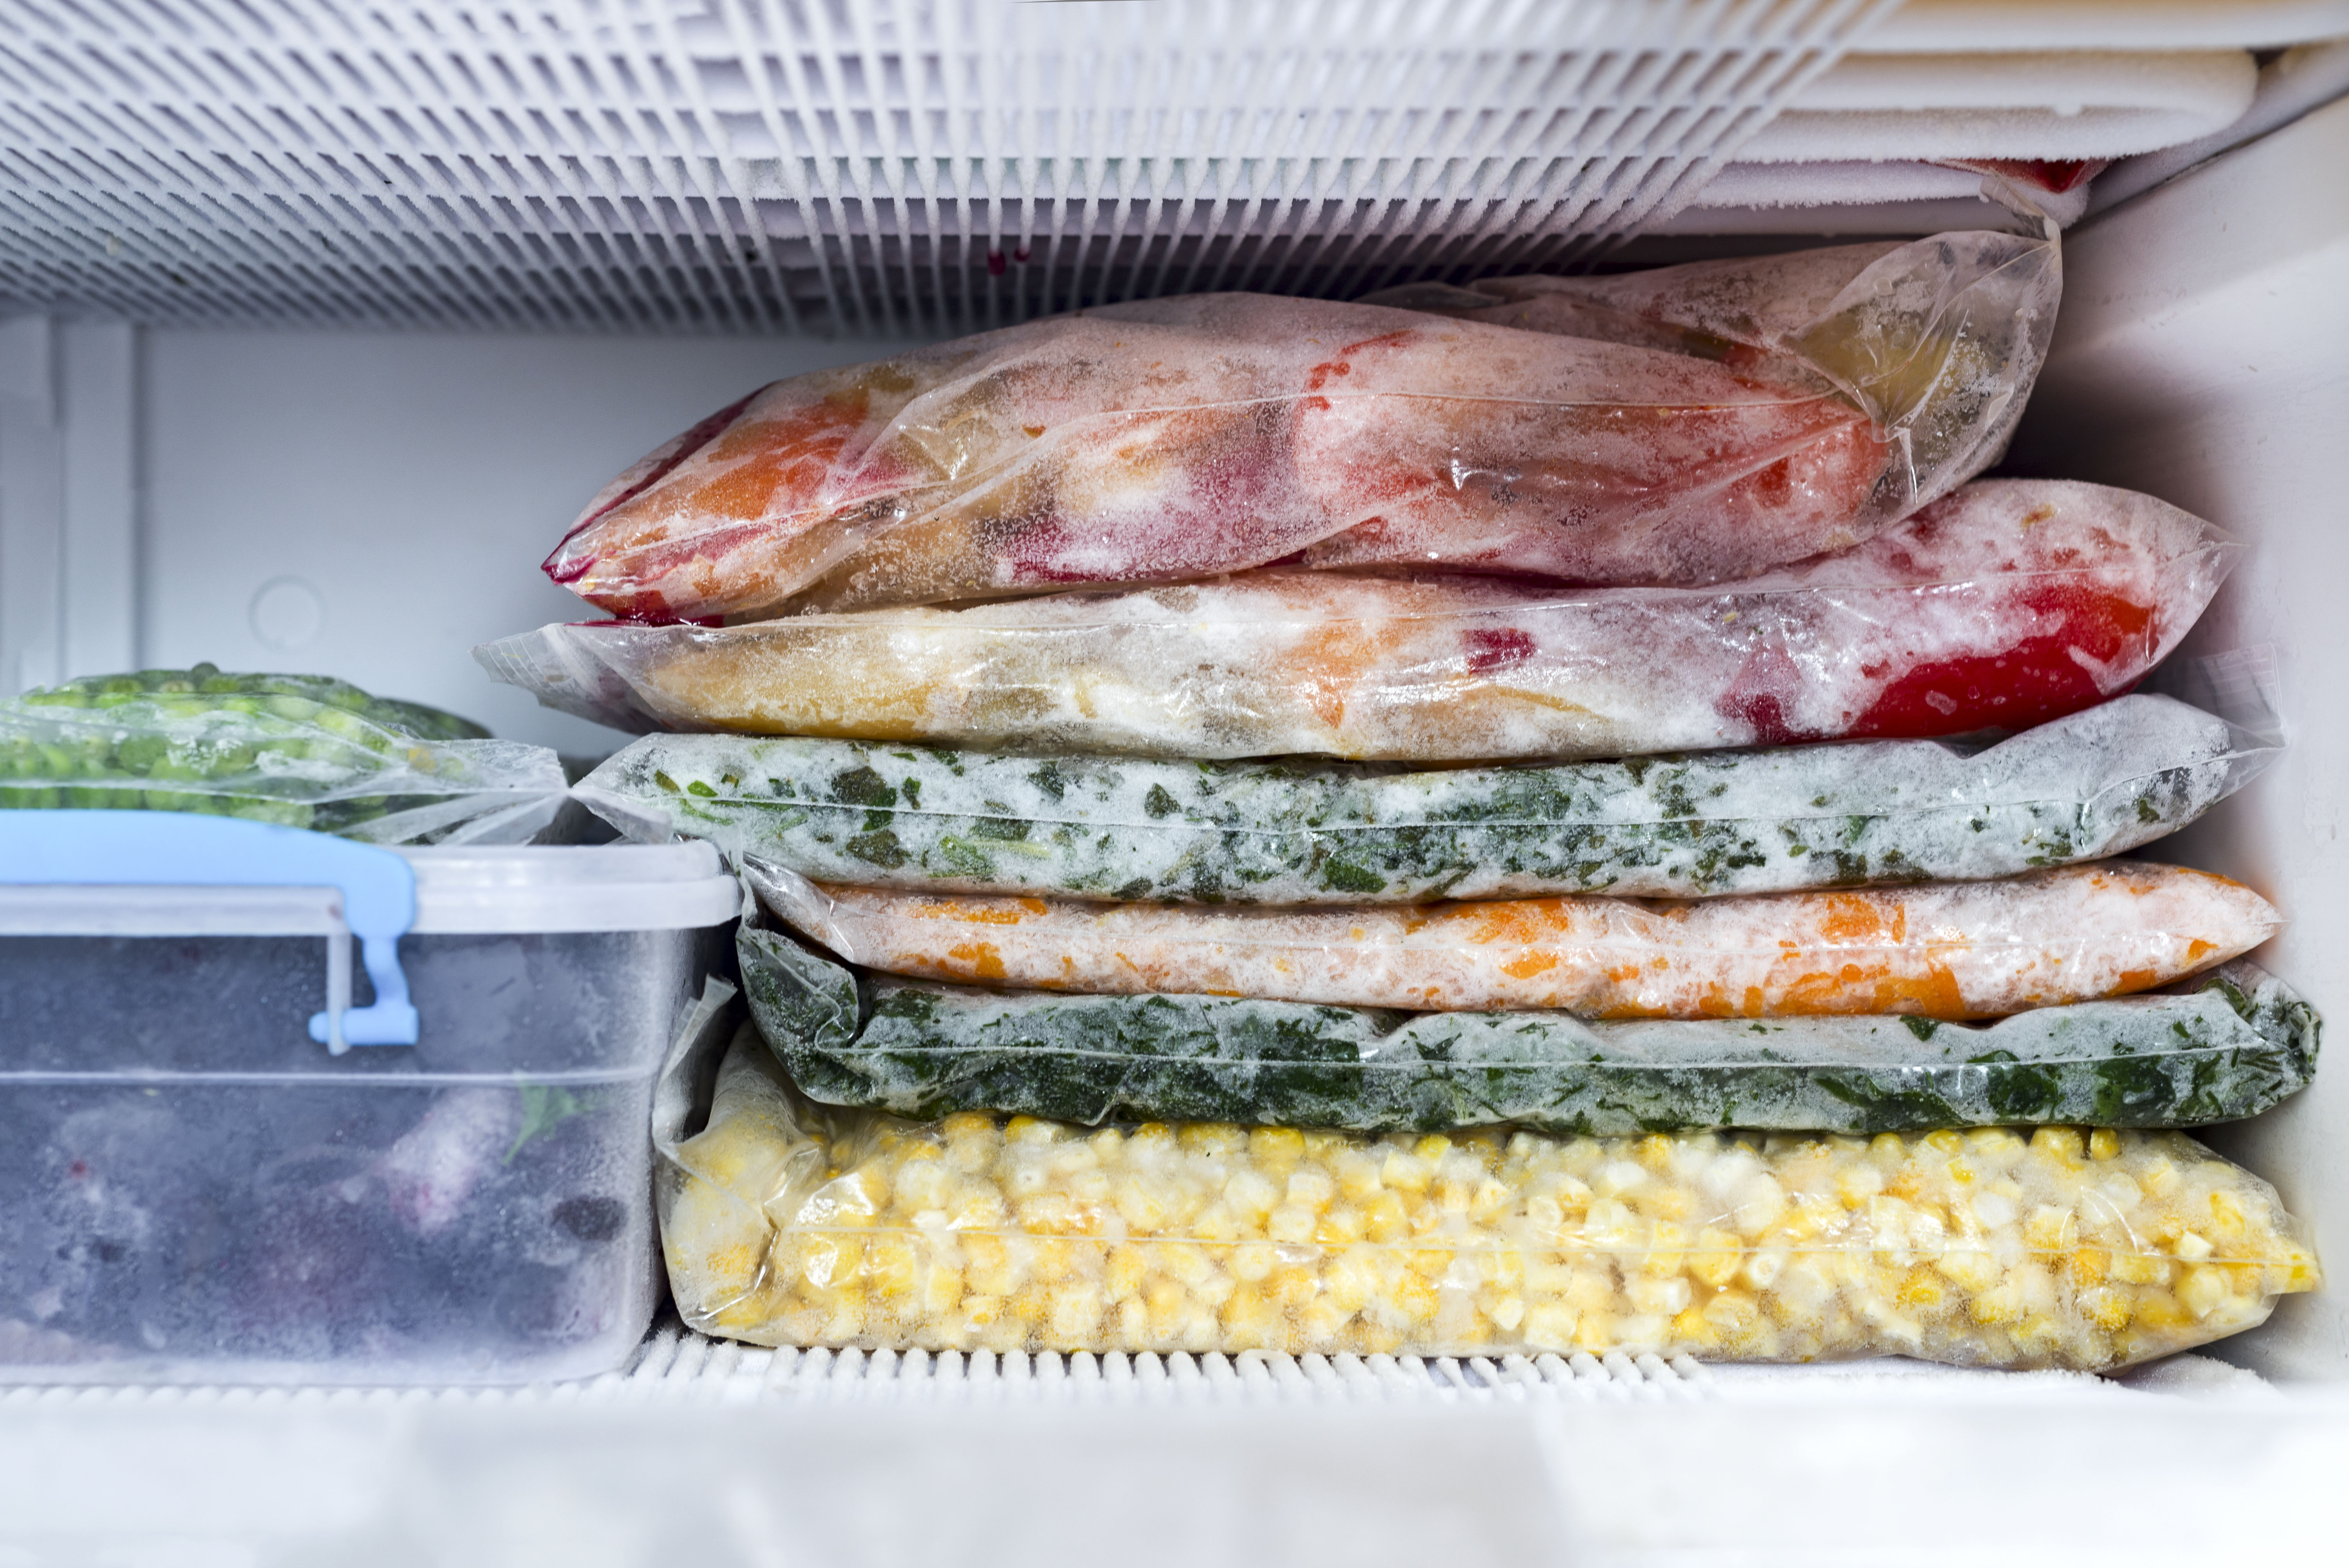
[1723, 419]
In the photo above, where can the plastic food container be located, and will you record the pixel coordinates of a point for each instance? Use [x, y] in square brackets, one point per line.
[444, 1176]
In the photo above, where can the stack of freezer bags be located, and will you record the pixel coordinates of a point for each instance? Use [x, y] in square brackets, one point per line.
[1076, 1028]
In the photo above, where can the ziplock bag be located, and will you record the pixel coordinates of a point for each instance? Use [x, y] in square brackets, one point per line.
[787, 1223]
[1923, 336]
[2007, 604]
[1178, 438]
[2096, 783]
[2227, 1045]
[1937, 950]
[302, 751]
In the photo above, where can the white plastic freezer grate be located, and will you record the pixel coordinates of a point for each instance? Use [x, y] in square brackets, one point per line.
[676, 1365]
[878, 165]
[687, 1363]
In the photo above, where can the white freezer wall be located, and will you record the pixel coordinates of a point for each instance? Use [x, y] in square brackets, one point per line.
[2202, 355]
[371, 505]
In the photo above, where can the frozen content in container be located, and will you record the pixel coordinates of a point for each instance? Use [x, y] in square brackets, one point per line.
[2094, 784]
[2007, 604]
[1937, 950]
[1180, 438]
[367, 1229]
[302, 751]
[785, 1223]
[2230, 1046]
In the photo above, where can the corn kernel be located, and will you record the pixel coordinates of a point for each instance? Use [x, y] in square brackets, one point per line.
[1715, 1257]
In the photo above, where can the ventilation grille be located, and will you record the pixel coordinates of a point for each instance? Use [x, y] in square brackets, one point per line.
[894, 166]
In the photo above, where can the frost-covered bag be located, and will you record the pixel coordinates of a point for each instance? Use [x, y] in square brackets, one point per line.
[1918, 334]
[2007, 604]
[789, 1224]
[2227, 1045]
[1939, 949]
[302, 751]
[2095, 784]
[1181, 438]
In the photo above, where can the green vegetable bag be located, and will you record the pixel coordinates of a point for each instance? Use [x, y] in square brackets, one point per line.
[302, 751]
[2228, 1045]
[1697, 826]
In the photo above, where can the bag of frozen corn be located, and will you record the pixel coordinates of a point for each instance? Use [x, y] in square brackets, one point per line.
[2007, 604]
[1935, 950]
[2227, 1045]
[1300, 831]
[1181, 438]
[785, 1223]
[302, 751]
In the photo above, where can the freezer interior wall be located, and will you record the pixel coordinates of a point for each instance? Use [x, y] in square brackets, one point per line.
[2200, 356]
[375, 503]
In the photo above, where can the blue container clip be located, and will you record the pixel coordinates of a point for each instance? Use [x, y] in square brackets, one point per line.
[181, 849]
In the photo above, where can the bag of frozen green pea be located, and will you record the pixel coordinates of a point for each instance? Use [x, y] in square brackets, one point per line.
[302, 751]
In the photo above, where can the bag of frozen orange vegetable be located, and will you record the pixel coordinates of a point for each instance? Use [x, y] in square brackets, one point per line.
[1937, 950]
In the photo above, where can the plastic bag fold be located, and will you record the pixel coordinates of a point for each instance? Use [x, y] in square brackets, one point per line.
[788, 1224]
[2005, 605]
[2094, 784]
[1180, 438]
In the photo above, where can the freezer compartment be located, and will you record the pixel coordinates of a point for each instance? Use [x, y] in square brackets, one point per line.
[194, 1189]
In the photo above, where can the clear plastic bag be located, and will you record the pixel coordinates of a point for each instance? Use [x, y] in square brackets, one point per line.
[2094, 784]
[2227, 1045]
[1179, 438]
[2007, 604]
[1922, 335]
[302, 751]
[1937, 950]
[786, 1223]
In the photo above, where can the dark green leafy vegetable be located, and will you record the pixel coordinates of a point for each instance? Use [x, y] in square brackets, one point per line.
[1696, 826]
[2229, 1044]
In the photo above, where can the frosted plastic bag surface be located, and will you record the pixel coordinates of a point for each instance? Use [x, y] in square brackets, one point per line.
[2007, 604]
[1179, 438]
[302, 751]
[2094, 784]
[785, 1223]
[1941, 950]
[2230, 1046]
[1926, 337]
